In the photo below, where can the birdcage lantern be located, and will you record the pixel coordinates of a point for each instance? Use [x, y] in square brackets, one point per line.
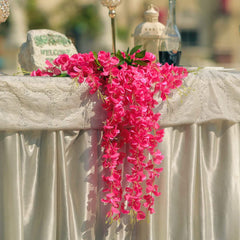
[148, 33]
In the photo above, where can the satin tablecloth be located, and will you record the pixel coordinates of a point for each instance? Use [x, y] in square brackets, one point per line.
[50, 162]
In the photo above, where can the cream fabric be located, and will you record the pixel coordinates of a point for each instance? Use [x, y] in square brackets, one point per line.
[50, 165]
[29, 103]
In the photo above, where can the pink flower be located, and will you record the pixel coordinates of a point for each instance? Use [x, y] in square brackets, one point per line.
[37, 73]
[63, 61]
[140, 215]
[131, 123]
[158, 157]
[150, 57]
[106, 60]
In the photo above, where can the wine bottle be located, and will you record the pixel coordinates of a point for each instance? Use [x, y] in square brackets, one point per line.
[170, 43]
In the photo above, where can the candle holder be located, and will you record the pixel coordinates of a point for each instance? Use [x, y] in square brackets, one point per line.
[112, 4]
[4, 10]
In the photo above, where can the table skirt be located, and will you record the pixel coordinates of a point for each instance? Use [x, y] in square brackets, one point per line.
[51, 182]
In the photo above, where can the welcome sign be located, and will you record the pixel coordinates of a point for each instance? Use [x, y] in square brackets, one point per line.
[42, 45]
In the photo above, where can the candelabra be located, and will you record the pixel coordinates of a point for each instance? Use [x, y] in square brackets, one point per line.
[112, 4]
[4, 10]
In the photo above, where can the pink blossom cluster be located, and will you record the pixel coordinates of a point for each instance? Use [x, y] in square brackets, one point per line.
[131, 123]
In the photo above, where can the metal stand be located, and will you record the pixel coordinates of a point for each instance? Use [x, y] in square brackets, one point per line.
[112, 14]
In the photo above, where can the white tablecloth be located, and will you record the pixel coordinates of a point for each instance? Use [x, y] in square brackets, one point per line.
[29, 103]
[50, 162]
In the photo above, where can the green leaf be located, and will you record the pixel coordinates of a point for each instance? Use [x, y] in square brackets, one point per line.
[140, 54]
[141, 63]
[128, 50]
[118, 53]
[95, 55]
[121, 57]
[135, 49]
[96, 58]
[121, 62]
[128, 61]
[62, 75]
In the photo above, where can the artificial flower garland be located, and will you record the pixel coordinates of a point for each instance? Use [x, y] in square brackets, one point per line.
[128, 84]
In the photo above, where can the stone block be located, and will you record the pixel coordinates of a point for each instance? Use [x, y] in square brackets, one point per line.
[42, 45]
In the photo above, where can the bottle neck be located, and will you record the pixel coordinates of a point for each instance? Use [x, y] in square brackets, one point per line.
[172, 12]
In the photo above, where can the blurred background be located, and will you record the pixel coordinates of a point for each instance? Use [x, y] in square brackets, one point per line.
[210, 29]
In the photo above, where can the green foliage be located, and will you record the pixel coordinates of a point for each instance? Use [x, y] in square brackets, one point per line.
[36, 18]
[128, 57]
[4, 28]
[84, 21]
[132, 61]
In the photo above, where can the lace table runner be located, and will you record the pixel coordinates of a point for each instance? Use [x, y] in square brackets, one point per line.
[28, 103]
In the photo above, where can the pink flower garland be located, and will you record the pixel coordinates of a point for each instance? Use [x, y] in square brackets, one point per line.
[128, 92]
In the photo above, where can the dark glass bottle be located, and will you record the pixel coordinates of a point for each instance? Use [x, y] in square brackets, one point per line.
[170, 43]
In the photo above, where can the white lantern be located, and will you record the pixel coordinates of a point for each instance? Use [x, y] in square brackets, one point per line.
[148, 33]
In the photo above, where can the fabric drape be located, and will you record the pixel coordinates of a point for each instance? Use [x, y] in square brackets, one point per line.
[48, 190]
[51, 173]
